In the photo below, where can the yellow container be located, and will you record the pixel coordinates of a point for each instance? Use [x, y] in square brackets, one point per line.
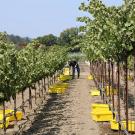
[90, 77]
[62, 85]
[111, 90]
[60, 90]
[115, 125]
[101, 116]
[131, 126]
[57, 90]
[10, 113]
[19, 116]
[95, 93]
[64, 77]
[66, 71]
[1, 123]
[100, 107]
[51, 91]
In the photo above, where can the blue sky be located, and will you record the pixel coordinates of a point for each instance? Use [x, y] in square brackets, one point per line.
[40, 17]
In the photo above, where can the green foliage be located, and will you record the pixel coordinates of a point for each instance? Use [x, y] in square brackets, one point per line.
[110, 34]
[4, 37]
[21, 68]
[47, 40]
[76, 56]
[71, 38]
[18, 40]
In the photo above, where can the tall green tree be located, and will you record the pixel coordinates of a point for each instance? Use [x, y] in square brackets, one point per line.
[47, 40]
[69, 36]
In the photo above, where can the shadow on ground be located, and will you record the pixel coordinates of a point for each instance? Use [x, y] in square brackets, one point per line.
[47, 121]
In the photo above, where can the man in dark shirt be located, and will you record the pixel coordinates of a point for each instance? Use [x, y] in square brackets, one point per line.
[78, 69]
[73, 64]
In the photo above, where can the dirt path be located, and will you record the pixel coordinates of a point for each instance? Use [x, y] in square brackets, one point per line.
[67, 114]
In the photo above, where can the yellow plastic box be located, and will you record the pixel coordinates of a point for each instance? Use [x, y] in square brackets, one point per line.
[90, 77]
[100, 107]
[101, 116]
[64, 77]
[111, 90]
[115, 125]
[1, 121]
[10, 113]
[60, 90]
[95, 93]
[62, 85]
[66, 71]
[57, 90]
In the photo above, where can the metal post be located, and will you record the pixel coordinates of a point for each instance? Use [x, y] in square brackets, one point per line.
[118, 87]
[4, 118]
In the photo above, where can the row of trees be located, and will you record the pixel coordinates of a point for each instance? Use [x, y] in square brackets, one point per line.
[21, 68]
[26, 67]
[111, 34]
[16, 39]
[110, 37]
[69, 38]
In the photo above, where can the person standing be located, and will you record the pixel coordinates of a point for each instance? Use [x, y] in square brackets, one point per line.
[72, 64]
[78, 69]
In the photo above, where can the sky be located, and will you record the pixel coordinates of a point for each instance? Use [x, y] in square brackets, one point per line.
[35, 18]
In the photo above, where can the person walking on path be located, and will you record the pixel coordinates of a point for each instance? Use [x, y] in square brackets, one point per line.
[78, 69]
[72, 64]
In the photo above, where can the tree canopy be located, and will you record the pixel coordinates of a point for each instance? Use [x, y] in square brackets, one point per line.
[110, 34]
[47, 40]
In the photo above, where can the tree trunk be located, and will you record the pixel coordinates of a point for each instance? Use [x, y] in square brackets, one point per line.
[118, 87]
[39, 88]
[112, 84]
[35, 93]
[134, 83]
[30, 98]
[4, 119]
[109, 79]
[48, 81]
[105, 73]
[44, 87]
[23, 110]
[126, 92]
[15, 110]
